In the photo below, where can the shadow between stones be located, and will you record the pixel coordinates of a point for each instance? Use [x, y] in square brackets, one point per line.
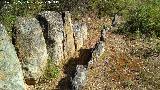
[45, 27]
[70, 68]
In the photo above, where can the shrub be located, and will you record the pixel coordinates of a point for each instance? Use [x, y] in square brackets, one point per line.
[52, 71]
[144, 19]
[13, 8]
[10, 9]
[7, 18]
[111, 7]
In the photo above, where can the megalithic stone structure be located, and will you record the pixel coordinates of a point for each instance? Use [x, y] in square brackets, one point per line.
[11, 76]
[31, 47]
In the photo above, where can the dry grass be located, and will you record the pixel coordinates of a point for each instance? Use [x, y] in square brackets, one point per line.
[116, 69]
[125, 65]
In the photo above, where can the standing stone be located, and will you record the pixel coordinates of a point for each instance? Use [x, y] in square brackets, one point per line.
[98, 50]
[69, 47]
[79, 80]
[115, 20]
[31, 47]
[11, 76]
[84, 31]
[80, 34]
[103, 34]
[99, 47]
[54, 34]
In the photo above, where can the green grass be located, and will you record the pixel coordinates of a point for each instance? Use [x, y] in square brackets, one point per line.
[52, 71]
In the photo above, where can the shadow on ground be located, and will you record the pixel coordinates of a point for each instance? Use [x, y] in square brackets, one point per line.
[70, 68]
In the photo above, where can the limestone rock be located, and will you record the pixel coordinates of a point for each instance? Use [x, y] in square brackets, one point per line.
[79, 80]
[115, 20]
[69, 47]
[84, 31]
[99, 47]
[11, 76]
[52, 24]
[31, 47]
[103, 34]
[98, 50]
[80, 34]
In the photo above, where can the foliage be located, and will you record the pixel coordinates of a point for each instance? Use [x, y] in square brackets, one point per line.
[142, 16]
[111, 7]
[144, 19]
[14, 8]
[7, 18]
[52, 71]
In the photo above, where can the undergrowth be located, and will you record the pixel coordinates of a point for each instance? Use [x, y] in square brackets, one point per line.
[52, 71]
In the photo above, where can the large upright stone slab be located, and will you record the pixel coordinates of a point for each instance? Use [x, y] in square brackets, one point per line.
[31, 47]
[11, 76]
[54, 34]
[80, 34]
[69, 47]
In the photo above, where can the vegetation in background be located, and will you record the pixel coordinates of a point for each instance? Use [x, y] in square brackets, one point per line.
[11, 9]
[144, 20]
[111, 7]
[142, 16]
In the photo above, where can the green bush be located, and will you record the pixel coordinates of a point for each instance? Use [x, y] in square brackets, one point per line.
[111, 7]
[52, 71]
[9, 11]
[7, 18]
[29, 8]
[145, 19]
[142, 16]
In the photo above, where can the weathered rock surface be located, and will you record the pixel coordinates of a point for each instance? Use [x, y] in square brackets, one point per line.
[115, 20]
[98, 51]
[54, 34]
[99, 47]
[84, 31]
[11, 76]
[80, 34]
[103, 34]
[79, 80]
[69, 47]
[31, 47]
